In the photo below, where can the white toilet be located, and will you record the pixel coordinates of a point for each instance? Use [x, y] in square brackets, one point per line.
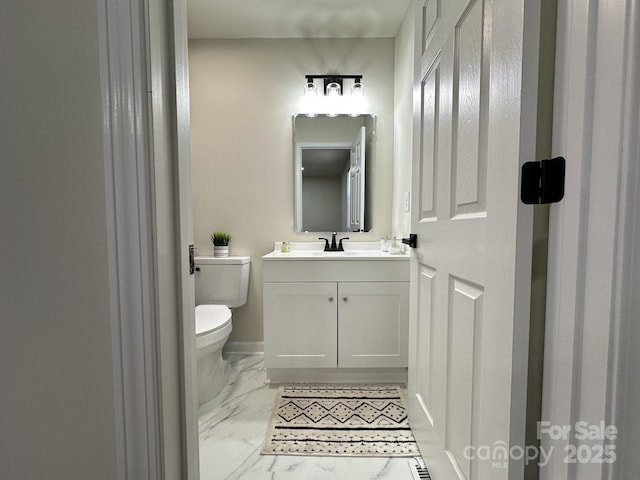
[221, 283]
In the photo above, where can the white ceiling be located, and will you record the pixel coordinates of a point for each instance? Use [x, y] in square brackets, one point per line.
[295, 18]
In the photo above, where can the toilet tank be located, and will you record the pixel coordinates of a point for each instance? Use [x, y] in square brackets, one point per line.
[222, 280]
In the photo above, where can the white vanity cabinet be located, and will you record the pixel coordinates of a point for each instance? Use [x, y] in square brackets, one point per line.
[300, 327]
[336, 319]
[373, 324]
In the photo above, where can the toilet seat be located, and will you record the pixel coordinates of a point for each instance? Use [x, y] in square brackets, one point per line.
[210, 318]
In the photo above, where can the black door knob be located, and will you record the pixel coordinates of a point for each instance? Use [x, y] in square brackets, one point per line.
[412, 241]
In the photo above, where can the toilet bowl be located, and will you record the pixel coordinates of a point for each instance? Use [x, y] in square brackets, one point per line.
[221, 284]
[213, 327]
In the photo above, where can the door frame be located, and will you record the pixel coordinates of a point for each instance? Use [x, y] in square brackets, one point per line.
[127, 155]
[594, 231]
[575, 246]
[183, 201]
[144, 77]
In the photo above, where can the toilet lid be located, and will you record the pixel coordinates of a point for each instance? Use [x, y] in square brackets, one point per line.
[211, 317]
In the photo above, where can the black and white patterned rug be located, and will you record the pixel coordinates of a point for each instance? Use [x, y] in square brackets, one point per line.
[340, 420]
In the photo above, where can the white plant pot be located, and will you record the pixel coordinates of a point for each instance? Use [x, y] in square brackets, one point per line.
[221, 251]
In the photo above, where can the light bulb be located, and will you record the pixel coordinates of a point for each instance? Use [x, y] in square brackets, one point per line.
[310, 100]
[357, 99]
[333, 99]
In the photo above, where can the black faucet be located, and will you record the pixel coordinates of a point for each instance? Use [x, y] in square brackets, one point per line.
[333, 247]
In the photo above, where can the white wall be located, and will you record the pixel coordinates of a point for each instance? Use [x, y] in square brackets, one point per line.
[403, 123]
[243, 96]
[56, 381]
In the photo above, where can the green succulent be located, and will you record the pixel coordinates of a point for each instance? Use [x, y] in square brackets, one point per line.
[220, 239]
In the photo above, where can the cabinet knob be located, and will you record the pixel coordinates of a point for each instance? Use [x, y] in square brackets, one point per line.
[345, 299]
[331, 299]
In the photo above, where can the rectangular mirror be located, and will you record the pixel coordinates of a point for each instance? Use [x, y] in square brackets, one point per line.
[333, 163]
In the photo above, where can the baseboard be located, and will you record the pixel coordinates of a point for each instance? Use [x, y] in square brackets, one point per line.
[246, 348]
[337, 375]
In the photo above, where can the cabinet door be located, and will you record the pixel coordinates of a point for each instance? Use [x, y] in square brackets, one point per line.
[373, 319]
[300, 325]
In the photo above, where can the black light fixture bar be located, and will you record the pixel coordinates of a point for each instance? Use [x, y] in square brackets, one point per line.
[333, 79]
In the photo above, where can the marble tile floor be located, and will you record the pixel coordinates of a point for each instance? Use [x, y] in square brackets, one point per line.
[233, 425]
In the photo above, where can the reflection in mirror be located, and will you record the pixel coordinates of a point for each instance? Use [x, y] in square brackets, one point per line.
[333, 161]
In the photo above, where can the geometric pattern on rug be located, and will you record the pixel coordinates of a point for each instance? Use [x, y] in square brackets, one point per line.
[340, 420]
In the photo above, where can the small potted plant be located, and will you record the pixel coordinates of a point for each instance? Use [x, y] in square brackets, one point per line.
[220, 243]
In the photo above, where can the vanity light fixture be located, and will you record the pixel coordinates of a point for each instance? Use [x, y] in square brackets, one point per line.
[334, 101]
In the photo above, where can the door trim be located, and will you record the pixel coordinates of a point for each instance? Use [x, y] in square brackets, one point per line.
[184, 223]
[131, 83]
[132, 285]
[592, 237]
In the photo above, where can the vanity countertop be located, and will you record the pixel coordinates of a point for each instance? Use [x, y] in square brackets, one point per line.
[353, 251]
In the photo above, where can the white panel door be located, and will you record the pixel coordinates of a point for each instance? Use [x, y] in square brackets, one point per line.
[300, 325]
[373, 321]
[356, 182]
[471, 271]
